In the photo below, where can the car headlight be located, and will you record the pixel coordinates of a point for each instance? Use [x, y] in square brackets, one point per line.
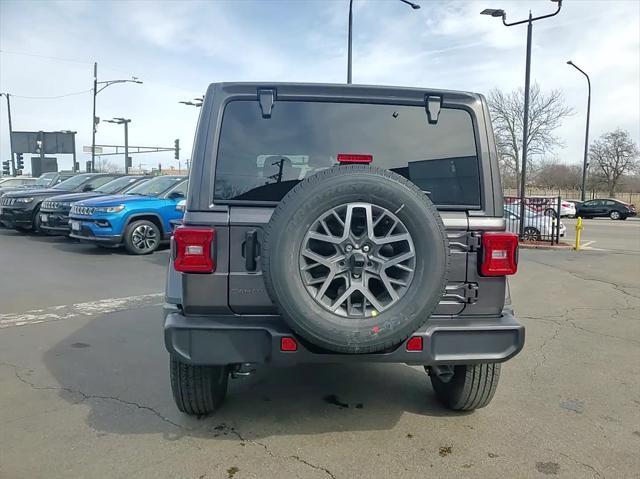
[109, 209]
[24, 200]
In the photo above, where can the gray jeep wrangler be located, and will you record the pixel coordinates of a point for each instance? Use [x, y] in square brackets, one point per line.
[331, 223]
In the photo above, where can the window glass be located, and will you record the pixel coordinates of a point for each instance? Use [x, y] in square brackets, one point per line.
[99, 181]
[263, 158]
[119, 184]
[181, 188]
[73, 182]
[45, 179]
[609, 203]
[156, 186]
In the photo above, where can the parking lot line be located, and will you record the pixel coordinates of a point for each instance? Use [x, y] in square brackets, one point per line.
[80, 310]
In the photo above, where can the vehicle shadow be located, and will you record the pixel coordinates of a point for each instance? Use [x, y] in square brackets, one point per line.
[70, 245]
[117, 366]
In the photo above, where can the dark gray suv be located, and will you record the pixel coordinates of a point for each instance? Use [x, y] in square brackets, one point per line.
[335, 223]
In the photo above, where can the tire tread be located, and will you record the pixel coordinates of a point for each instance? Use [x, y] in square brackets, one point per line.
[198, 390]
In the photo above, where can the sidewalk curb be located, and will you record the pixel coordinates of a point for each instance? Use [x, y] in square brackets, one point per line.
[522, 245]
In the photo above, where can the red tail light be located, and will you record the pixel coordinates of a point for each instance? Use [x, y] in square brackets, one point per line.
[194, 249]
[288, 344]
[414, 343]
[499, 254]
[346, 158]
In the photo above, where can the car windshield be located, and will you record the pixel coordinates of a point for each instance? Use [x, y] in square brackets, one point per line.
[156, 186]
[45, 180]
[116, 185]
[73, 182]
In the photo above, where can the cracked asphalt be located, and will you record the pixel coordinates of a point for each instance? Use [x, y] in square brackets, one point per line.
[84, 389]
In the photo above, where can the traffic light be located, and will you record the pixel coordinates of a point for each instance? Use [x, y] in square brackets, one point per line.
[20, 162]
[6, 170]
[177, 149]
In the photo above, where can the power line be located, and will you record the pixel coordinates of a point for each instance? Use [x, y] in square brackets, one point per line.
[52, 97]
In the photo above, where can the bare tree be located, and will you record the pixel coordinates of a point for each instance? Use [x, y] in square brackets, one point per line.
[104, 165]
[613, 155]
[546, 112]
[553, 174]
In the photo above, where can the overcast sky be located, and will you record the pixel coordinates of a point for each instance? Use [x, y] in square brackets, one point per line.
[48, 48]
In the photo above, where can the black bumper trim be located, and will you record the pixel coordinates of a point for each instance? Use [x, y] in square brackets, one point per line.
[256, 339]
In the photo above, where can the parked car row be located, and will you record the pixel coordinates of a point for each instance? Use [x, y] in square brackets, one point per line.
[107, 209]
[537, 224]
[547, 205]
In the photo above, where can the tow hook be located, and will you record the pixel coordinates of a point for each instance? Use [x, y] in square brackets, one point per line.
[243, 370]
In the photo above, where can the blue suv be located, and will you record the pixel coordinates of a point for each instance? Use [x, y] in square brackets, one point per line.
[139, 220]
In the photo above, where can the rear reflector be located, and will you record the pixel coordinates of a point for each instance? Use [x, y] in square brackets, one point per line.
[288, 344]
[499, 254]
[347, 158]
[414, 343]
[193, 249]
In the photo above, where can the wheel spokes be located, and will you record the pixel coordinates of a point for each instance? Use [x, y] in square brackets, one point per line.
[357, 260]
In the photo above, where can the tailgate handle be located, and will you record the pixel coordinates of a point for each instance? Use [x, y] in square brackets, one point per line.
[250, 250]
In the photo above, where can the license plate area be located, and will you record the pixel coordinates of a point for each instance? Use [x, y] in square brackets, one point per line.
[75, 225]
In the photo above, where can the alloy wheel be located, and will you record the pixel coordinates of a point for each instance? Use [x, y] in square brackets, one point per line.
[357, 260]
[144, 237]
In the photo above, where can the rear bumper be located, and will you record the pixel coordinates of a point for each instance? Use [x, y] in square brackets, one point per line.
[256, 339]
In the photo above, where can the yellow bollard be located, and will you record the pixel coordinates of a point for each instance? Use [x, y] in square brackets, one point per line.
[578, 231]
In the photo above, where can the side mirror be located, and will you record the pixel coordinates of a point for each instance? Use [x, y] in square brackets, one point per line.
[87, 188]
[174, 195]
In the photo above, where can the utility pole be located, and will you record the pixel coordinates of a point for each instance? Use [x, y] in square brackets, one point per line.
[498, 13]
[125, 122]
[95, 120]
[415, 6]
[13, 160]
[585, 160]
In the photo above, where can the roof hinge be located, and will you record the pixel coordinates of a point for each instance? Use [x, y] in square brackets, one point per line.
[433, 105]
[267, 98]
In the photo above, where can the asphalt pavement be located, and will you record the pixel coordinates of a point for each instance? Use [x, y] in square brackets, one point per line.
[84, 388]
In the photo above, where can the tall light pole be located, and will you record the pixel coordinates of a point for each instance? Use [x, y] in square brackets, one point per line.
[13, 159]
[125, 122]
[415, 6]
[527, 80]
[95, 119]
[585, 160]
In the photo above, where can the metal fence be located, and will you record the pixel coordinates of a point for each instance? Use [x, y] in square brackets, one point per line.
[541, 218]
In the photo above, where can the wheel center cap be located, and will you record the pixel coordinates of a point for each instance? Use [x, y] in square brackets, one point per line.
[356, 262]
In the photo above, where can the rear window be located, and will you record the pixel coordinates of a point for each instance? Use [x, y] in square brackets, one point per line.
[261, 159]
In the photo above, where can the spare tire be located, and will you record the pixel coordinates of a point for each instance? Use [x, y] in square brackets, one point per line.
[356, 258]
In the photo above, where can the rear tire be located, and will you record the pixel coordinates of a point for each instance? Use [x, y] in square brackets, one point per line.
[471, 387]
[198, 390]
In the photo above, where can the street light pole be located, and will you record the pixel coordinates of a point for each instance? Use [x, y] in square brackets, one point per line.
[415, 6]
[13, 159]
[585, 160]
[125, 122]
[104, 84]
[93, 118]
[527, 80]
